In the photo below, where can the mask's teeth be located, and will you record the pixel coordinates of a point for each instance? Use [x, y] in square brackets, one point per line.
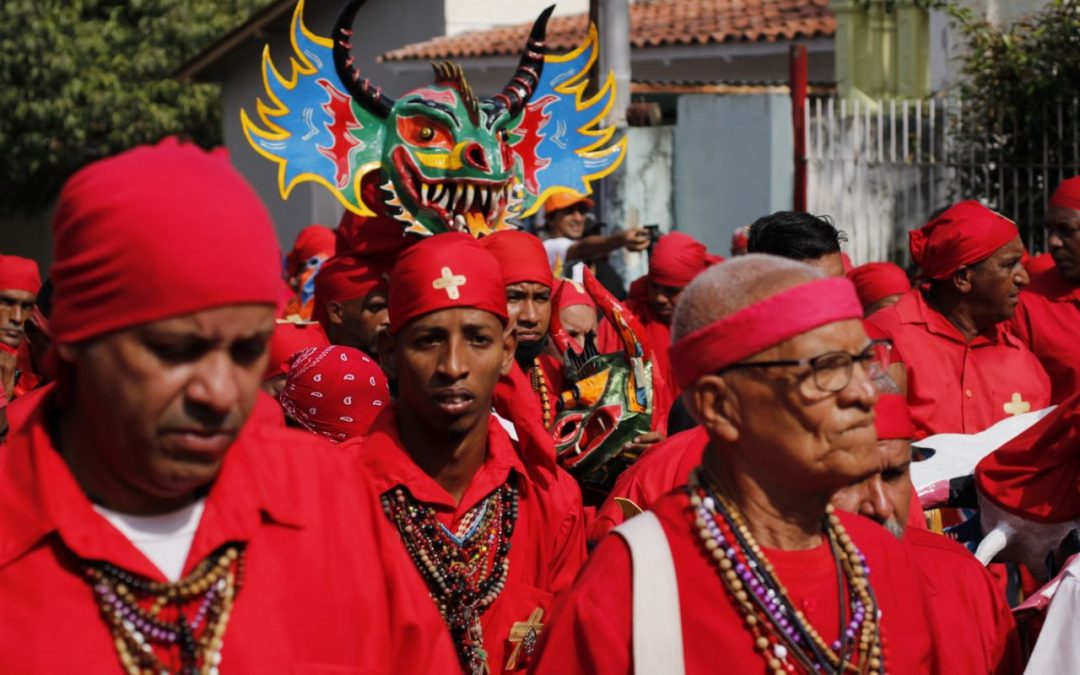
[470, 192]
[444, 197]
[459, 223]
[424, 192]
[460, 205]
[483, 199]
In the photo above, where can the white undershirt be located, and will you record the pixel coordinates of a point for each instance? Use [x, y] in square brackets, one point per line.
[164, 539]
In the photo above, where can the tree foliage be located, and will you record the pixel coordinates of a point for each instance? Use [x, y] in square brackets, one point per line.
[1020, 91]
[84, 79]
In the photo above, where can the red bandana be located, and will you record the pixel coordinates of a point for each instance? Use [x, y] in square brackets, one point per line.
[892, 418]
[335, 391]
[878, 280]
[444, 271]
[1067, 194]
[290, 337]
[964, 234]
[157, 232]
[764, 324]
[19, 274]
[521, 256]
[677, 258]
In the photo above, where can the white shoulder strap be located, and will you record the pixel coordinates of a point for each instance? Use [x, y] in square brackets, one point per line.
[657, 622]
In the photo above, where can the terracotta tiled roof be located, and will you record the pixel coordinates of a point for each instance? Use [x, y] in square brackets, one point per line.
[653, 23]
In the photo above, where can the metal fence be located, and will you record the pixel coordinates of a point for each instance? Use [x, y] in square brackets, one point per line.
[884, 167]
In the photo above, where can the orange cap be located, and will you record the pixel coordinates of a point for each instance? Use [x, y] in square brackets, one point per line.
[561, 200]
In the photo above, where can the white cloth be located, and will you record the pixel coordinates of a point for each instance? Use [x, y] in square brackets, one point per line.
[657, 620]
[556, 248]
[164, 539]
[1057, 651]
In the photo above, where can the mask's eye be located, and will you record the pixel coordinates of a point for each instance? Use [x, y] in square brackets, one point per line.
[426, 133]
[504, 136]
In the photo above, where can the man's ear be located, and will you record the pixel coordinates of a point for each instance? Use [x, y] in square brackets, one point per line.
[712, 403]
[335, 311]
[963, 279]
[386, 344]
[509, 347]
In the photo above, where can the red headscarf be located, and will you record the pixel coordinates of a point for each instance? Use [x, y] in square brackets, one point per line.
[19, 274]
[740, 240]
[335, 391]
[444, 271]
[892, 418]
[313, 240]
[877, 280]
[521, 256]
[1036, 475]
[347, 277]
[1067, 194]
[290, 337]
[677, 258]
[157, 232]
[569, 294]
[963, 234]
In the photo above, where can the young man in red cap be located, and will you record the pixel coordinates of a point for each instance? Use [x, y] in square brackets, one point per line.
[748, 565]
[350, 301]
[1048, 318]
[147, 525]
[879, 285]
[529, 284]
[971, 625]
[335, 392]
[964, 369]
[313, 246]
[19, 285]
[492, 524]
[674, 262]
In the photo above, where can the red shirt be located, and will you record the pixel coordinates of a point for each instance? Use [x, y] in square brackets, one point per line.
[1048, 322]
[591, 630]
[660, 469]
[548, 544]
[955, 386]
[970, 622]
[327, 585]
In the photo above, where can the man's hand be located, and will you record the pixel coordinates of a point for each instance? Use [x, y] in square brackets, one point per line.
[641, 443]
[8, 360]
[636, 239]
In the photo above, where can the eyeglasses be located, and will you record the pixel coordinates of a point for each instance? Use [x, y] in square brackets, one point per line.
[832, 371]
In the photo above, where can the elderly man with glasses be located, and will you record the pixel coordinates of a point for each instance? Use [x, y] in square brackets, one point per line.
[1048, 318]
[748, 565]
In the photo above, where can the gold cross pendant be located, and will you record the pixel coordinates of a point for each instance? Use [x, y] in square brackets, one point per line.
[1018, 406]
[524, 635]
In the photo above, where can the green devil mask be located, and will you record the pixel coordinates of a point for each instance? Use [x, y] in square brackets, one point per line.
[607, 399]
[445, 159]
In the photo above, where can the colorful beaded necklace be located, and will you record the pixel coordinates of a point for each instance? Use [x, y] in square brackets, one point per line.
[786, 639]
[134, 608]
[465, 570]
[539, 385]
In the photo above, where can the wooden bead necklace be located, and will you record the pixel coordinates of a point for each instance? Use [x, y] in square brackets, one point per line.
[134, 608]
[465, 570]
[539, 385]
[786, 639]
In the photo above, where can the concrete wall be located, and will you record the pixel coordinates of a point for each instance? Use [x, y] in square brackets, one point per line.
[649, 193]
[381, 25]
[733, 163]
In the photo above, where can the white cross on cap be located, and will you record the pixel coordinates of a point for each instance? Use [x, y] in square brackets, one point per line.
[449, 282]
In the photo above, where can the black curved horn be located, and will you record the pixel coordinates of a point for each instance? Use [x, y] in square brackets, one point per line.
[360, 88]
[521, 86]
